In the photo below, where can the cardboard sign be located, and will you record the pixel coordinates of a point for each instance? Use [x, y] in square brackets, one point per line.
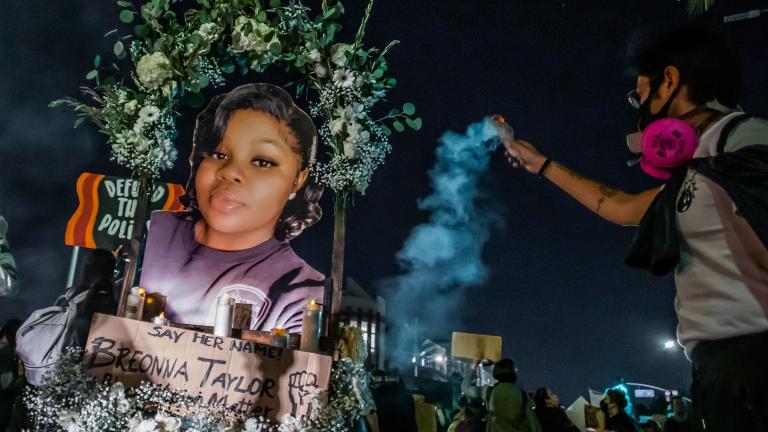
[254, 379]
[467, 345]
[107, 205]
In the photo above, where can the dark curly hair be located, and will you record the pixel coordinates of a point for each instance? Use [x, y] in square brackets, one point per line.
[708, 64]
[300, 212]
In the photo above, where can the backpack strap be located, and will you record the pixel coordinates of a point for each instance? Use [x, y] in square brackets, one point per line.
[727, 129]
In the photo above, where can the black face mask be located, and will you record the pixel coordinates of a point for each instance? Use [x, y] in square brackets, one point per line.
[644, 116]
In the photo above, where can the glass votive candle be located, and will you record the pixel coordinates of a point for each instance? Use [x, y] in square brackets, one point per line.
[279, 337]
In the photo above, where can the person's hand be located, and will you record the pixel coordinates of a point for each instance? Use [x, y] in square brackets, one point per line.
[477, 357]
[523, 154]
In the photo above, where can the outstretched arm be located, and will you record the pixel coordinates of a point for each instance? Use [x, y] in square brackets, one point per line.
[611, 204]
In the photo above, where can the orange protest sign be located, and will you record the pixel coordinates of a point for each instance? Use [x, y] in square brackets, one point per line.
[104, 217]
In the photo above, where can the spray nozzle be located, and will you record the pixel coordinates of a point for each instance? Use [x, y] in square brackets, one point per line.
[505, 133]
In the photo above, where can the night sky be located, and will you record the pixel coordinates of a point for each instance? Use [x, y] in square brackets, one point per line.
[571, 314]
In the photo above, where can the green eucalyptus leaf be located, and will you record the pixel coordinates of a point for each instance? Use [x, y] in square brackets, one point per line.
[262, 16]
[398, 126]
[387, 131]
[141, 30]
[228, 68]
[409, 109]
[414, 124]
[393, 112]
[274, 3]
[391, 82]
[123, 3]
[275, 48]
[119, 49]
[300, 61]
[92, 74]
[126, 16]
[378, 73]
[97, 61]
[203, 81]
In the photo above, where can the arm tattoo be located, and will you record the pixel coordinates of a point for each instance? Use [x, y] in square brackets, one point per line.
[605, 193]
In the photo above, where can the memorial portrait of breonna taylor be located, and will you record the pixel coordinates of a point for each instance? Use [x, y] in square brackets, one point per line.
[249, 193]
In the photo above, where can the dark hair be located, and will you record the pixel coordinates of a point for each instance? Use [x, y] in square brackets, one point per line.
[299, 213]
[504, 371]
[708, 65]
[540, 397]
[98, 271]
[618, 397]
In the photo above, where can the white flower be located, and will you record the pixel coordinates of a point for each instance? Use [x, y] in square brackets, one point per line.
[350, 148]
[130, 107]
[353, 130]
[149, 113]
[138, 126]
[148, 425]
[168, 423]
[344, 77]
[289, 423]
[256, 425]
[339, 54]
[67, 418]
[208, 31]
[153, 70]
[336, 125]
[320, 70]
[315, 55]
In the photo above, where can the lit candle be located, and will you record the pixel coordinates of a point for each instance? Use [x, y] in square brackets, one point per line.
[223, 323]
[310, 327]
[279, 337]
[160, 319]
[134, 304]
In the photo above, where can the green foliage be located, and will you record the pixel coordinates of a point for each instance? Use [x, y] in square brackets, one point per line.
[177, 51]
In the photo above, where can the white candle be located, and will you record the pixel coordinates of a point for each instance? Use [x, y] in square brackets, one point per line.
[310, 327]
[223, 323]
[134, 304]
[160, 319]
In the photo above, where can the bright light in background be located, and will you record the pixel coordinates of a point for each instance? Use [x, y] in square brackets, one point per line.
[439, 359]
[670, 345]
[413, 360]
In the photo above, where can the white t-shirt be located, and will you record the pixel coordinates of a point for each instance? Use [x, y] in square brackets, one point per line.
[722, 278]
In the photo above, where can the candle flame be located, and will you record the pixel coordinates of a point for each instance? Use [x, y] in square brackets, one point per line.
[313, 305]
[162, 315]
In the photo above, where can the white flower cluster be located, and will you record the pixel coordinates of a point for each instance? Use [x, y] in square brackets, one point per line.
[210, 68]
[72, 401]
[154, 70]
[140, 132]
[360, 144]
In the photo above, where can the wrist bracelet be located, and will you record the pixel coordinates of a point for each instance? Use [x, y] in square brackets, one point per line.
[544, 167]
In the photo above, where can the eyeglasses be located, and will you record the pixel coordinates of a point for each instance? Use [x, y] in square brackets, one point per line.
[633, 99]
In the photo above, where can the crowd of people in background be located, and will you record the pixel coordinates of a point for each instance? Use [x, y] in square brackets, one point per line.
[506, 406]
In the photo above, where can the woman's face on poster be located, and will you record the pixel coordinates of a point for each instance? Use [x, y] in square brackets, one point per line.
[243, 185]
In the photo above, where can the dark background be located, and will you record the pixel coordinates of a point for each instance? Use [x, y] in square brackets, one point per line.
[571, 314]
